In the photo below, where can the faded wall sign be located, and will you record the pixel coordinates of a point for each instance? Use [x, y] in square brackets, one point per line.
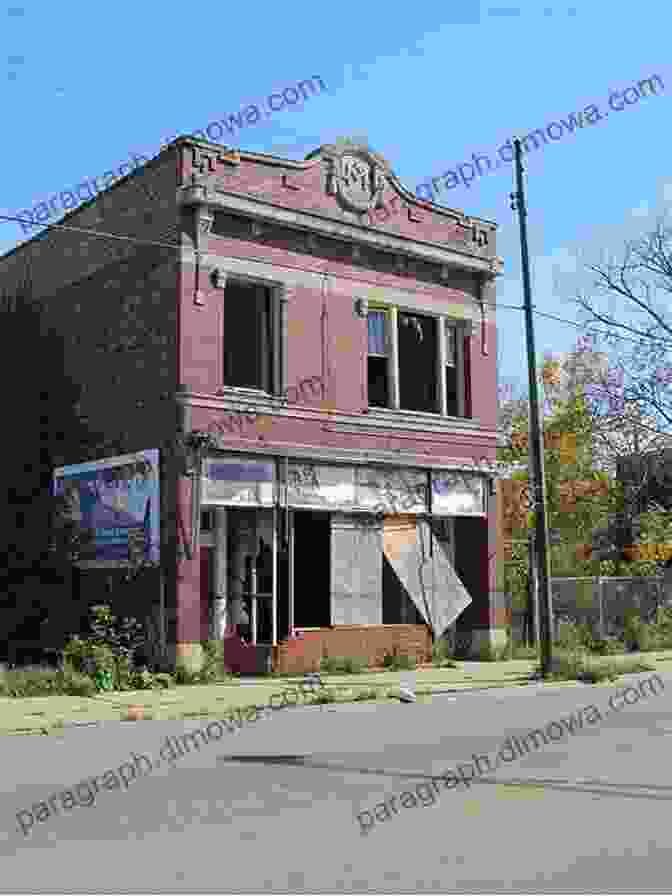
[117, 501]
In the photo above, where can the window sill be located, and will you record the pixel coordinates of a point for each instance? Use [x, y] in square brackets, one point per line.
[418, 416]
[244, 392]
[255, 399]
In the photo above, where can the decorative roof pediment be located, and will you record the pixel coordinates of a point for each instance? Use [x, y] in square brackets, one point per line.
[345, 189]
[356, 175]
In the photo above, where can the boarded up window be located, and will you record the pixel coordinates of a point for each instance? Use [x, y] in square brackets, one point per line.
[422, 566]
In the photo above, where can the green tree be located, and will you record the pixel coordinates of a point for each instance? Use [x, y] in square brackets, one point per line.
[564, 465]
[590, 511]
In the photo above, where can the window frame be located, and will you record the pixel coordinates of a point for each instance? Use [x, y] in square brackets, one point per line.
[277, 294]
[388, 352]
[443, 321]
[446, 323]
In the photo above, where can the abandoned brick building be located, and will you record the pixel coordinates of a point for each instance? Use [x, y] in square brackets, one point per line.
[329, 340]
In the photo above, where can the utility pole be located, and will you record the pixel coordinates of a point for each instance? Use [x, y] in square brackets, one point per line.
[533, 593]
[536, 435]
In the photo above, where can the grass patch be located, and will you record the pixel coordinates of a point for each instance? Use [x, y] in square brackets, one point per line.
[580, 666]
[25, 731]
[488, 654]
[343, 665]
[196, 714]
[442, 657]
[524, 652]
[399, 662]
[325, 697]
[368, 694]
[44, 682]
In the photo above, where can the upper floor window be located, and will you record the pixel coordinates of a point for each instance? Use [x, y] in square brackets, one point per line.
[453, 359]
[249, 336]
[415, 362]
[418, 354]
[378, 361]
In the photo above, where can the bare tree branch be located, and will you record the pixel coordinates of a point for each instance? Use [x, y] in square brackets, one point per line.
[640, 283]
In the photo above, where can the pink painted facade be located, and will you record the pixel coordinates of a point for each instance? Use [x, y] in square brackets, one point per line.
[303, 231]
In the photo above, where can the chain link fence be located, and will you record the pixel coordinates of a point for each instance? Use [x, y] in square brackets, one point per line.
[602, 603]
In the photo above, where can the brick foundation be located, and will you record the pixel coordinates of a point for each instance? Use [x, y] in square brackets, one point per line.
[370, 642]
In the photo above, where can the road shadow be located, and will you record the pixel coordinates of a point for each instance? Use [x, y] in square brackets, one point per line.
[595, 787]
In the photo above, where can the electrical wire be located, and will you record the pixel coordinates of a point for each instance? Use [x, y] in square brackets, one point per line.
[143, 242]
[667, 342]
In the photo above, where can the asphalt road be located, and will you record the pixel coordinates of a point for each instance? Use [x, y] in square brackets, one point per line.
[273, 807]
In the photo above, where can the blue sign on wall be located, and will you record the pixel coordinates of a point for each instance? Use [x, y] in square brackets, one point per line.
[117, 500]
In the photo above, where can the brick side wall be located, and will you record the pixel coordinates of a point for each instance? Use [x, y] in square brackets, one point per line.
[119, 328]
[114, 305]
[370, 642]
[141, 206]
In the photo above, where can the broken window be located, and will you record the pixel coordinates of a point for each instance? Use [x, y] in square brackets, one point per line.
[452, 388]
[410, 367]
[417, 363]
[248, 336]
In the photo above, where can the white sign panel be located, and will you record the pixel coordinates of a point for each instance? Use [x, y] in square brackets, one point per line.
[458, 494]
[317, 486]
[391, 491]
[238, 482]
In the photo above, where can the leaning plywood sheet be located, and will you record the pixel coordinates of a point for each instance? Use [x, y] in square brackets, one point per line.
[425, 572]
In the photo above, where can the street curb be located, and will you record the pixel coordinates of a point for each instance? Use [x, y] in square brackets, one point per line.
[320, 707]
[77, 723]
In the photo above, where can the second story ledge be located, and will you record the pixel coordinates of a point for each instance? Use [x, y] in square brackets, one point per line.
[234, 403]
[321, 224]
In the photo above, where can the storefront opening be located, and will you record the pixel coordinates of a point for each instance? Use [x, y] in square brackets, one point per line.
[312, 561]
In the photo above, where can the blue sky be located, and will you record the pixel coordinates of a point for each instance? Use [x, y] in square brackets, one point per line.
[84, 85]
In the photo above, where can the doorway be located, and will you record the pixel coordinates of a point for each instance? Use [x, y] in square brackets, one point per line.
[245, 567]
[249, 573]
[312, 569]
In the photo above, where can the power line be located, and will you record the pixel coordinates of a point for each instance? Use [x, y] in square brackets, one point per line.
[143, 242]
[603, 332]
[86, 230]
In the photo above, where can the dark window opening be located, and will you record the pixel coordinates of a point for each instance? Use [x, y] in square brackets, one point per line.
[248, 336]
[417, 363]
[470, 531]
[451, 392]
[379, 396]
[452, 401]
[398, 607]
[312, 569]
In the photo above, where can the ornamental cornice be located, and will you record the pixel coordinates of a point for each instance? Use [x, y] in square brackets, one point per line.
[322, 224]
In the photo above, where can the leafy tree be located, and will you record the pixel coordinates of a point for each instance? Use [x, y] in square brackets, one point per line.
[568, 460]
[581, 499]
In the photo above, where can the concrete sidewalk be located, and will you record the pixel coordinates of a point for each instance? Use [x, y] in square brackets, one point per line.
[37, 715]
[43, 715]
